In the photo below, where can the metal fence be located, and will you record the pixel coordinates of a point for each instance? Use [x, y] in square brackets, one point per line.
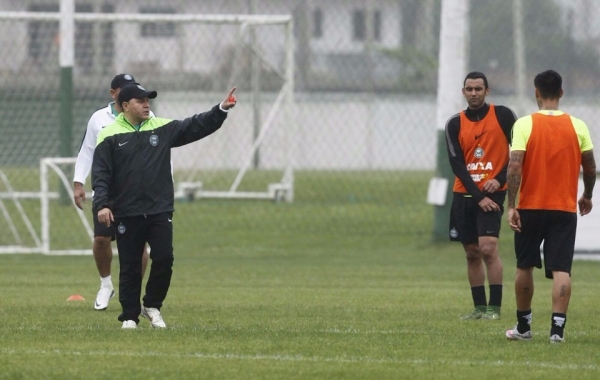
[364, 88]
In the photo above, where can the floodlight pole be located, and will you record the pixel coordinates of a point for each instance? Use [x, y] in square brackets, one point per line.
[452, 67]
[519, 46]
[255, 68]
[66, 58]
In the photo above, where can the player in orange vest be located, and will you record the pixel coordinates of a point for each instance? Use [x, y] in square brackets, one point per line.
[548, 149]
[477, 140]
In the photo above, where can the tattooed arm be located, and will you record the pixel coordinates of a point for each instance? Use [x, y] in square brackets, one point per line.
[515, 169]
[588, 163]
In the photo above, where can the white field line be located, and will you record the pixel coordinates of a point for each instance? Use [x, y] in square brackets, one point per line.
[586, 256]
[312, 359]
[342, 331]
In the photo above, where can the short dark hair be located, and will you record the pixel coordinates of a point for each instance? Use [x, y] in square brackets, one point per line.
[476, 75]
[549, 84]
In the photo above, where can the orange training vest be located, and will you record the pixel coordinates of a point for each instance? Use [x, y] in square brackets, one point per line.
[484, 147]
[550, 173]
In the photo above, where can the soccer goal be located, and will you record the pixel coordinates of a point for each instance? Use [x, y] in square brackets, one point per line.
[69, 224]
[190, 59]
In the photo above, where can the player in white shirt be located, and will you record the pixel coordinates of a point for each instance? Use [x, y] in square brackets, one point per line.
[103, 235]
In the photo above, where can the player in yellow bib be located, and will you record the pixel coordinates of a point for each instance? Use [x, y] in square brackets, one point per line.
[548, 149]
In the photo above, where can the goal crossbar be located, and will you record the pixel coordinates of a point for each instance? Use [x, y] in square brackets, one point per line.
[280, 191]
[157, 18]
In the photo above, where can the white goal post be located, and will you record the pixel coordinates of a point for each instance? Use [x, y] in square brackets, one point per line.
[40, 243]
[283, 102]
[281, 107]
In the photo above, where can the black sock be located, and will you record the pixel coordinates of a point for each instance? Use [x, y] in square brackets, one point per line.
[559, 321]
[496, 295]
[478, 293]
[523, 321]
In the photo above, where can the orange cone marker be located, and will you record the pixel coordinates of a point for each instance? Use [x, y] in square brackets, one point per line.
[76, 297]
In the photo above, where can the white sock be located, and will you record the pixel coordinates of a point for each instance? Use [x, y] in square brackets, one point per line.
[106, 282]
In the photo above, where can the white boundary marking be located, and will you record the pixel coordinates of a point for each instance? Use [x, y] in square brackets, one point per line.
[586, 257]
[312, 359]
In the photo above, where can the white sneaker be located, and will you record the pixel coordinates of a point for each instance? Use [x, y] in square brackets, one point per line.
[129, 325]
[153, 315]
[514, 334]
[102, 298]
[556, 339]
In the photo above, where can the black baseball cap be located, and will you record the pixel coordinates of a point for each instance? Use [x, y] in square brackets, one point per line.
[134, 91]
[121, 81]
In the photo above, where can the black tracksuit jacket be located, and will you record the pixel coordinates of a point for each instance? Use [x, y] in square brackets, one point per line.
[131, 170]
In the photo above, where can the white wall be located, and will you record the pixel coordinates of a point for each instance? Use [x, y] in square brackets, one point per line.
[331, 132]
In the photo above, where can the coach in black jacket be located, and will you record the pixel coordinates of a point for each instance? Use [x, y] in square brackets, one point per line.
[133, 188]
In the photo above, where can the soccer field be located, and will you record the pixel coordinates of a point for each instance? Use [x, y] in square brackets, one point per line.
[308, 290]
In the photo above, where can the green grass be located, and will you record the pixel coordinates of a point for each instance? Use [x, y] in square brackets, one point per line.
[337, 310]
[344, 286]
[328, 204]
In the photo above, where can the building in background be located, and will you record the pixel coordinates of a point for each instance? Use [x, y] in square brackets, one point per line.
[365, 72]
[340, 44]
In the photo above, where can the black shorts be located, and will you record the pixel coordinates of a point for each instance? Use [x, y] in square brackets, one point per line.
[101, 229]
[468, 221]
[556, 230]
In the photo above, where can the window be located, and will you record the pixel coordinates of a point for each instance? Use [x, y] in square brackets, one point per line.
[377, 25]
[359, 25]
[108, 42]
[154, 29]
[318, 23]
[44, 38]
[84, 45]
[43, 35]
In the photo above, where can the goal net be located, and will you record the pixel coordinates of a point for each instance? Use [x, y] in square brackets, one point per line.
[191, 60]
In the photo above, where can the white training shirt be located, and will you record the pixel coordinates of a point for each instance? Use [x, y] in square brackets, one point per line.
[99, 120]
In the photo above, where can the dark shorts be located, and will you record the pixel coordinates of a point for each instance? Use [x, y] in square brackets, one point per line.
[468, 221]
[556, 230]
[101, 229]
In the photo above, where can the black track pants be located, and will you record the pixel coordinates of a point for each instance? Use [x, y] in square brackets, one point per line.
[132, 234]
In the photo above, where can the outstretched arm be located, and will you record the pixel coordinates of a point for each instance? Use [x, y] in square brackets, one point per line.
[199, 126]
